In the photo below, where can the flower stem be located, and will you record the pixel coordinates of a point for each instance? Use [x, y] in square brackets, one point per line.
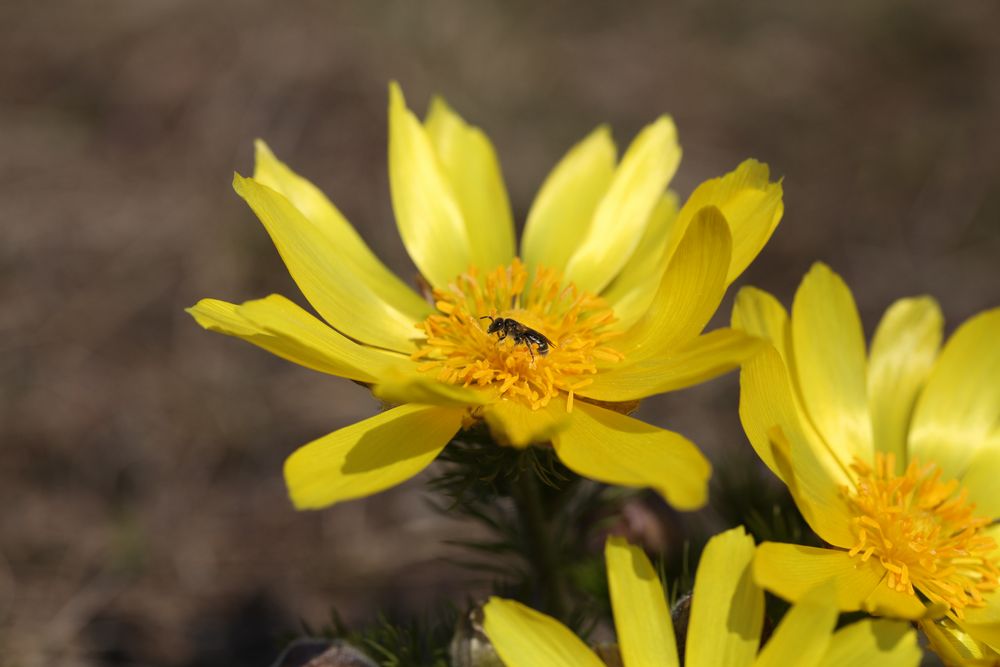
[539, 547]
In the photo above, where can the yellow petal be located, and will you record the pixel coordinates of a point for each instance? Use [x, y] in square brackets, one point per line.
[956, 646]
[282, 328]
[760, 314]
[815, 480]
[829, 348]
[790, 571]
[341, 296]
[370, 456]
[621, 217]
[428, 215]
[561, 213]
[772, 417]
[352, 253]
[610, 447]
[472, 168]
[631, 292]
[751, 204]
[727, 607]
[983, 623]
[873, 642]
[411, 386]
[803, 635]
[699, 360]
[980, 479]
[642, 620]
[524, 637]
[903, 351]
[960, 406]
[688, 294]
[515, 424]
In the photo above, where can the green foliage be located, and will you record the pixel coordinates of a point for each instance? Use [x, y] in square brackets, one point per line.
[411, 642]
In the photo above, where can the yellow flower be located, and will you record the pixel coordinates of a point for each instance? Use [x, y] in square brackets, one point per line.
[724, 627]
[892, 456]
[610, 271]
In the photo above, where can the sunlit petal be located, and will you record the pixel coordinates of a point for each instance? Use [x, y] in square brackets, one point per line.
[340, 295]
[873, 642]
[524, 637]
[903, 351]
[471, 166]
[561, 213]
[642, 620]
[352, 253]
[610, 447]
[829, 348]
[749, 201]
[622, 214]
[688, 294]
[428, 215]
[803, 635]
[286, 330]
[960, 406]
[515, 424]
[727, 607]
[699, 360]
[369, 456]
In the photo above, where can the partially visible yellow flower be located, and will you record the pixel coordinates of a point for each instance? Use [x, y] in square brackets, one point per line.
[610, 271]
[727, 614]
[892, 455]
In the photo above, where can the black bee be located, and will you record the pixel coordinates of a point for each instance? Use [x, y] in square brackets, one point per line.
[504, 326]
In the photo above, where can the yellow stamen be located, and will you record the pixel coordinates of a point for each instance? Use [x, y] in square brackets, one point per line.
[460, 351]
[924, 533]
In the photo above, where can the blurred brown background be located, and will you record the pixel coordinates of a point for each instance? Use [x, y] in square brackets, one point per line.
[143, 519]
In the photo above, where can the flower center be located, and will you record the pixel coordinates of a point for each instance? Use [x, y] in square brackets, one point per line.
[924, 533]
[546, 337]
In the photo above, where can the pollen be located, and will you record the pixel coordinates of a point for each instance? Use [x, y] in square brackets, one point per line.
[924, 532]
[458, 349]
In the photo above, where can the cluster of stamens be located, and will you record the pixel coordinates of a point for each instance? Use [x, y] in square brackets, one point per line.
[924, 533]
[460, 351]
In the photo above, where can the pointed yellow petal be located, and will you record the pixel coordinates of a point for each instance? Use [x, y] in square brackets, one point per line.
[980, 479]
[524, 637]
[751, 204]
[561, 213]
[699, 360]
[282, 328]
[688, 294]
[773, 418]
[760, 314]
[642, 620]
[829, 348]
[370, 456]
[428, 215]
[341, 296]
[632, 290]
[472, 169]
[727, 607]
[960, 405]
[873, 642]
[517, 425]
[411, 386]
[903, 351]
[352, 253]
[983, 623]
[621, 217]
[803, 635]
[791, 571]
[610, 447]
[957, 647]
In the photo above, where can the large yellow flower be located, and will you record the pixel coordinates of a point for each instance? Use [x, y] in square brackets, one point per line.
[724, 627]
[610, 271]
[893, 456]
